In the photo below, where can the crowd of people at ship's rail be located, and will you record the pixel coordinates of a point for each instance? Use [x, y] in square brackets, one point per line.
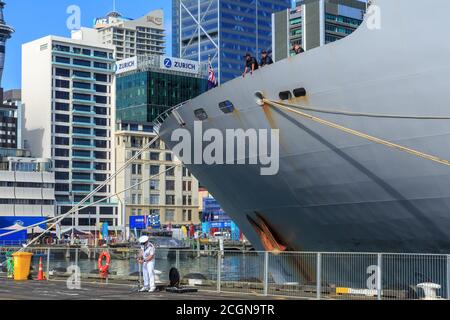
[251, 63]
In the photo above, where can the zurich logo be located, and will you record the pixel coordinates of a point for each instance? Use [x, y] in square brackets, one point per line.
[168, 63]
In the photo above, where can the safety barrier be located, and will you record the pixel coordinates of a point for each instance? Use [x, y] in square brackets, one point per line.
[369, 276]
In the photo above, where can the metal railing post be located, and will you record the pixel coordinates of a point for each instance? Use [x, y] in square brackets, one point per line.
[266, 273]
[219, 272]
[76, 257]
[48, 264]
[319, 276]
[177, 259]
[379, 276]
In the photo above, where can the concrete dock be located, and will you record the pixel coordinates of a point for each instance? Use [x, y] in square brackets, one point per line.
[57, 290]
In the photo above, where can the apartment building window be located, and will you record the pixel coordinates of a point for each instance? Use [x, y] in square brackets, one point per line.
[101, 99]
[101, 155]
[101, 77]
[62, 59]
[170, 185]
[82, 85]
[60, 164]
[59, 141]
[170, 216]
[187, 186]
[62, 129]
[136, 169]
[100, 54]
[101, 110]
[62, 95]
[81, 74]
[169, 157]
[80, 62]
[170, 200]
[100, 177]
[136, 183]
[187, 215]
[100, 65]
[101, 144]
[62, 72]
[60, 106]
[154, 156]
[154, 185]
[81, 96]
[101, 132]
[101, 167]
[101, 88]
[82, 108]
[61, 152]
[61, 175]
[154, 199]
[154, 170]
[101, 122]
[187, 200]
[170, 173]
[62, 118]
[62, 84]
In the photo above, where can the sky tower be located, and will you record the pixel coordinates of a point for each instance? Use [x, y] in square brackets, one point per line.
[5, 34]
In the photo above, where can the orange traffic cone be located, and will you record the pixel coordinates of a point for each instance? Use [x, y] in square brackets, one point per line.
[41, 272]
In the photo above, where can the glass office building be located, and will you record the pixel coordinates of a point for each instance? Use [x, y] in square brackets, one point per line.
[313, 23]
[229, 29]
[141, 96]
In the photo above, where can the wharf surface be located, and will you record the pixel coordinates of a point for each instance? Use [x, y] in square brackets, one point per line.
[57, 290]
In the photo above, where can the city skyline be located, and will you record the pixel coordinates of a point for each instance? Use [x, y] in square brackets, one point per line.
[52, 21]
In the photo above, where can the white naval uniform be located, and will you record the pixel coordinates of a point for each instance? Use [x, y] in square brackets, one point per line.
[148, 268]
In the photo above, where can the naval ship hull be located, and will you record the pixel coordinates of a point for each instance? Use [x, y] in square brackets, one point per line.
[336, 192]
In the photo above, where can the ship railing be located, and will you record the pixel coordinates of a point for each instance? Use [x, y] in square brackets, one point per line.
[158, 122]
[310, 275]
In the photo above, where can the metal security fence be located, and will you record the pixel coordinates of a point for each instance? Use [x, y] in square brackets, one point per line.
[308, 275]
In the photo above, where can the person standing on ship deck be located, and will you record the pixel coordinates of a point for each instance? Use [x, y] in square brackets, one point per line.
[297, 48]
[265, 59]
[251, 64]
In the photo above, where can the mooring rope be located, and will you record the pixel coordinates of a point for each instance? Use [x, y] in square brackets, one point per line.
[358, 133]
[361, 114]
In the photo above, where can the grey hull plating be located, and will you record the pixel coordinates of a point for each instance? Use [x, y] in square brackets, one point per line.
[334, 191]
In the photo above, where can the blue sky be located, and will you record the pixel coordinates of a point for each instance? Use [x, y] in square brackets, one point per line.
[33, 19]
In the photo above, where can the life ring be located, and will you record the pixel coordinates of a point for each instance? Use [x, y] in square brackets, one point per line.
[104, 268]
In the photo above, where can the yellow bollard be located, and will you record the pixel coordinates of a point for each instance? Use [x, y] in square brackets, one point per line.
[22, 264]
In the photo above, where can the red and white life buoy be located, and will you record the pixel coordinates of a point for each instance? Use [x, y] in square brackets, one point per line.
[104, 268]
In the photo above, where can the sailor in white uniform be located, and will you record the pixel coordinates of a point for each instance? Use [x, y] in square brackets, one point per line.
[147, 259]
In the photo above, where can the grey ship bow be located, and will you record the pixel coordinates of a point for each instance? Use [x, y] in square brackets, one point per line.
[335, 191]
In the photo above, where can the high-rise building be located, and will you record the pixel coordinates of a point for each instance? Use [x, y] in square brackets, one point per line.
[5, 34]
[11, 120]
[313, 23]
[8, 113]
[151, 86]
[223, 30]
[131, 37]
[68, 95]
[145, 88]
